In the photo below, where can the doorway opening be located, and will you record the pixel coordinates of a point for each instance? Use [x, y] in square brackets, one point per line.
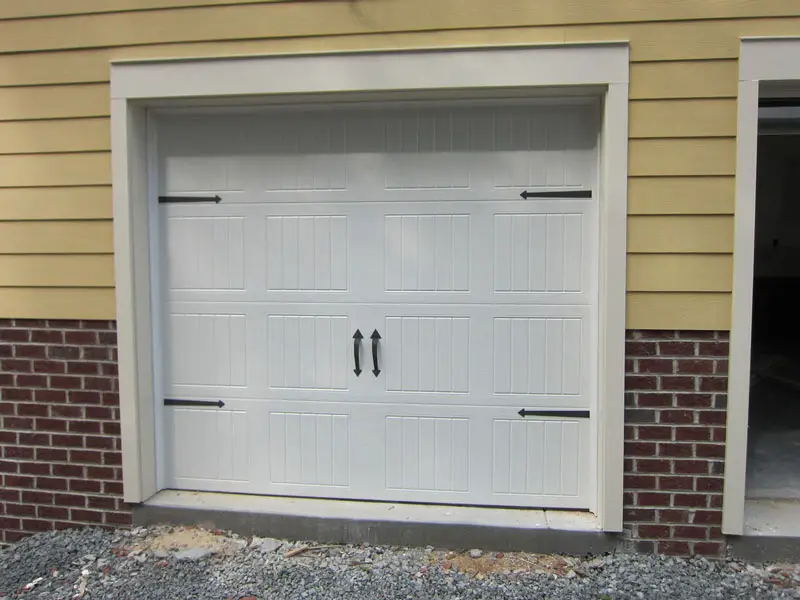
[773, 457]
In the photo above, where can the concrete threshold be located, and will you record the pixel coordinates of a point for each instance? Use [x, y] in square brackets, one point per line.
[382, 523]
[771, 531]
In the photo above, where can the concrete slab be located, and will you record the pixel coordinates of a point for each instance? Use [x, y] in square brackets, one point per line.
[381, 522]
[773, 471]
[770, 518]
[772, 531]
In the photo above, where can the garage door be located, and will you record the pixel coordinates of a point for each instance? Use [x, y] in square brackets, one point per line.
[394, 303]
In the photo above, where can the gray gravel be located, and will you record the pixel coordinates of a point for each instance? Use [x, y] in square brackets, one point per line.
[167, 563]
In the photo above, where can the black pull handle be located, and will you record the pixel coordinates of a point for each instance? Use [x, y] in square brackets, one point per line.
[357, 337]
[375, 337]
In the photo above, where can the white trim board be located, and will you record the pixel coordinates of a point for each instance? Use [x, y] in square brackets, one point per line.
[763, 63]
[599, 70]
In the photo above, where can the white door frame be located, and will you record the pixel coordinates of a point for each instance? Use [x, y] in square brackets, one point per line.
[598, 69]
[763, 62]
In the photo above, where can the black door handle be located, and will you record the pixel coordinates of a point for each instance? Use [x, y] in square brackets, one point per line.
[357, 337]
[375, 337]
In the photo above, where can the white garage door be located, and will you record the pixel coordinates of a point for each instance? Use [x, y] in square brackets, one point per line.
[393, 242]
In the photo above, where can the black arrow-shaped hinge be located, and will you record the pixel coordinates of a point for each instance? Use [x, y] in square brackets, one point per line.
[357, 337]
[375, 337]
[188, 199]
[175, 402]
[564, 414]
[557, 194]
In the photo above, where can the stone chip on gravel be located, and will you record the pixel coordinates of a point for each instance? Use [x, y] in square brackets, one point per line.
[193, 554]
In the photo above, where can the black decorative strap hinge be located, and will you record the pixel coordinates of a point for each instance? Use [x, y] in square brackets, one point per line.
[557, 194]
[176, 402]
[188, 199]
[563, 414]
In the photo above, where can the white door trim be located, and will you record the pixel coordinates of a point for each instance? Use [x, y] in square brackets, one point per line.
[600, 69]
[761, 61]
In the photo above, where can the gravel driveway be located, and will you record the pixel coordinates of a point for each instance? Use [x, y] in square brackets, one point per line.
[183, 563]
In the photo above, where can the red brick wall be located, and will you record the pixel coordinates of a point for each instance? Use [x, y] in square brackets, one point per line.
[61, 461]
[676, 397]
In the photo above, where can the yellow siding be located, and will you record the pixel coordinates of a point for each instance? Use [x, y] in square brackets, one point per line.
[682, 118]
[58, 303]
[69, 135]
[92, 65]
[676, 157]
[561, 12]
[680, 233]
[675, 40]
[55, 199]
[54, 237]
[30, 170]
[48, 102]
[682, 310]
[680, 195]
[49, 270]
[54, 203]
[684, 79]
[680, 272]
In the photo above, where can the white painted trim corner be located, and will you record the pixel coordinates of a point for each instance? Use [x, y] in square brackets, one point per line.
[135, 85]
[761, 61]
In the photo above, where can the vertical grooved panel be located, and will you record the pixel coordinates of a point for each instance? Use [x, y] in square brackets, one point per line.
[518, 455]
[538, 355]
[534, 447]
[430, 354]
[410, 454]
[307, 253]
[305, 154]
[555, 356]
[307, 352]
[205, 253]
[409, 268]
[538, 252]
[501, 456]
[570, 453]
[555, 252]
[427, 453]
[429, 253]
[427, 354]
[207, 349]
[211, 444]
[537, 457]
[552, 456]
[573, 252]
[309, 449]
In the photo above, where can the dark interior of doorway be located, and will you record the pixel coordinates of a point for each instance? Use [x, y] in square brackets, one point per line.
[773, 469]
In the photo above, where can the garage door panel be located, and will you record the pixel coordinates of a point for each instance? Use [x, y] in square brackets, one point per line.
[207, 349]
[205, 252]
[427, 453]
[538, 356]
[210, 445]
[309, 449]
[307, 253]
[427, 252]
[475, 149]
[405, 224]
[308, 352]
[538, 457]
[427, 354]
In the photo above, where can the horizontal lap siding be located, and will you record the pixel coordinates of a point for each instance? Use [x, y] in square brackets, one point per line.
[549, 10]
[54, 131]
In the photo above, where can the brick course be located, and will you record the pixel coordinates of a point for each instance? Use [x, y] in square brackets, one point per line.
[675, 409]
[59, 427]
